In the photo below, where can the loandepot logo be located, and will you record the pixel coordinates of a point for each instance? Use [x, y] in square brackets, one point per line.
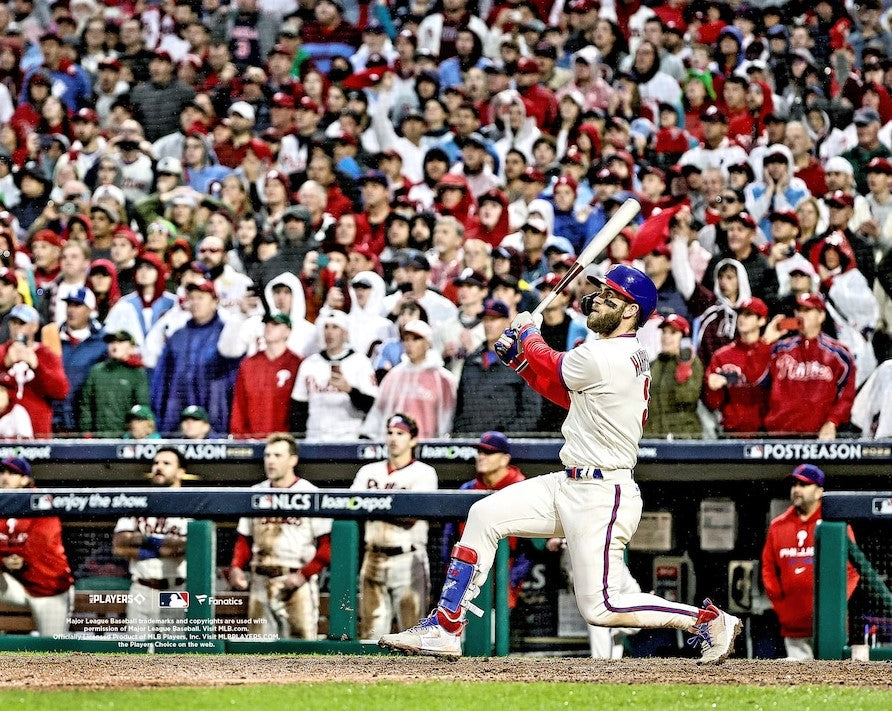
[356, 503]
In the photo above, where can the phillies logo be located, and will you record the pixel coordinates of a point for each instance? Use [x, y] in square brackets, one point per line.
[788, 368]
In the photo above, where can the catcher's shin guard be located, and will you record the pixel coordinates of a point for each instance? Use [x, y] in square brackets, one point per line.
[459, 589]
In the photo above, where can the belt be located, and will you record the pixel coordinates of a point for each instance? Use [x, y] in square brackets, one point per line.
[584, 473]
[274, 571]
[389, 550]
[161, 583]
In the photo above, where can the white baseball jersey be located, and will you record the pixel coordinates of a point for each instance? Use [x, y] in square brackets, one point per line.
[609, 382]
[415, 476]
[284, 541]
[155, 568]
[332, 416]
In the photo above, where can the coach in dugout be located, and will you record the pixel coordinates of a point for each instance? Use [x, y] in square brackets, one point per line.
[156, 549]
[285, 554]
[788, 562]
[35, 572]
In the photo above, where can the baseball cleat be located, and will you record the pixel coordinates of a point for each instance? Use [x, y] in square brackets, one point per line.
[426, 638]
[715, 631]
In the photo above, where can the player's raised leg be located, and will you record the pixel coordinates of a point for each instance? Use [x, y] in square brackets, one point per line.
[596, 543]
[522, 509]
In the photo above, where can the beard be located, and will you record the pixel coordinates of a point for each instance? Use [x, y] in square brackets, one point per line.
[606, 323]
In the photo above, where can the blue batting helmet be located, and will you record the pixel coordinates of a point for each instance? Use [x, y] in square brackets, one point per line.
[634, 285]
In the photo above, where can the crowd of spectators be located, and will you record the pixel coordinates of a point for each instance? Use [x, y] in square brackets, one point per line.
[235, 219]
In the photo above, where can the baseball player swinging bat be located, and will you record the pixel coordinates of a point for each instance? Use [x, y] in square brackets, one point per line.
[622, 217]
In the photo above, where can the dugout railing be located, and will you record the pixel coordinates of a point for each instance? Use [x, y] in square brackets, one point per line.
[838, 629]
[484, 636]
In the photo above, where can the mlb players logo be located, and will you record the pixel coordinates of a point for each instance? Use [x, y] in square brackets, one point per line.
[174, 600]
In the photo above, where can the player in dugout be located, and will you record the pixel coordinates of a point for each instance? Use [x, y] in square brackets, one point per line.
[592, 500]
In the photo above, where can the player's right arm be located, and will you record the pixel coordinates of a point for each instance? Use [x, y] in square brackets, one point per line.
[134, 545]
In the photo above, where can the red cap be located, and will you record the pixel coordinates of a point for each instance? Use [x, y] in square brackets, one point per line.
[662, 249]
[197, 127]
[567, 180]
[9, 276]
[839, 198]
[754, 305]
[347, 138]
[784, 216]
[550, 280]
[308, 104]
[282, 100]
[260, 149]
[279, 175]
[109, 63]
[205, 285]
[879, 165]
[163, 54]
[528, 65]
[677, 322]
[810, 301]
[87, 115]
[533, 175]
[129, 235]
[744, 218]
[48, 236]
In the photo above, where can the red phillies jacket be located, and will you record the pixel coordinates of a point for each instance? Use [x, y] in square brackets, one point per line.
[39, 542]
[812, 382]
[261, 403]
[788, 571]
[743, 403]
[48, 383]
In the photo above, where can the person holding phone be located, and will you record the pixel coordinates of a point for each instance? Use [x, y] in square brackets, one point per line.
[334, 389]
[737, 372]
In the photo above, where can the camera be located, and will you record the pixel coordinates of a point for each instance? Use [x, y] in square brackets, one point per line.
[128, 145]
[404, 287]
[22, 338]
[68, 209]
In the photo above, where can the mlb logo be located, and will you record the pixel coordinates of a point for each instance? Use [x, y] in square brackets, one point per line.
[753, 451]
[43, 502]
[127, 451]
[262, 501]
[174, 600]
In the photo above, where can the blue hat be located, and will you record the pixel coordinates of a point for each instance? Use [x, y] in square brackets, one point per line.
[494, 442]
[809, 474]
[373, 176]
[494, 307]
[18, 465]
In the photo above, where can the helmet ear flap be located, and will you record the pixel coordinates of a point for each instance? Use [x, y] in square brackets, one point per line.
[587, 304]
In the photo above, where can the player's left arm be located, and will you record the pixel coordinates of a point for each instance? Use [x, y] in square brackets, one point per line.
[543, 369]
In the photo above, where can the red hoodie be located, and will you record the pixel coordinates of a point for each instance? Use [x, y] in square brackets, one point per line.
[39, 542]
[466, 210]
[493, 237]
[743, 403]
[788, 571]
[39, 387]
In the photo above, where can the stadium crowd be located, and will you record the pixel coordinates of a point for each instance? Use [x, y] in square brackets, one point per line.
[280, 215]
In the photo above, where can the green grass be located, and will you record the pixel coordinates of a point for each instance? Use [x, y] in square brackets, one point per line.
[437, 696]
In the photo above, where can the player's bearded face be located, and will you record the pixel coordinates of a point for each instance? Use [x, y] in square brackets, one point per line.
[607, 316]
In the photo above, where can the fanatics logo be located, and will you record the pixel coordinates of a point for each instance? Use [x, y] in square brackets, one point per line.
[174, 600]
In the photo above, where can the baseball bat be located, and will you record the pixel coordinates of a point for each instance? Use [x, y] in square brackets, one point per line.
[622, 217]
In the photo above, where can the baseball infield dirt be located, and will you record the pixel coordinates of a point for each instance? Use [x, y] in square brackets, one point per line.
[55, 671]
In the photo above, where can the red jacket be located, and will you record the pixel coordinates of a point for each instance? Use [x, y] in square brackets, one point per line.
[41, 387]
[744, 403]
[39, 542]
[541, 105]
[788, 571]
[812, 382]
[261, 403]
